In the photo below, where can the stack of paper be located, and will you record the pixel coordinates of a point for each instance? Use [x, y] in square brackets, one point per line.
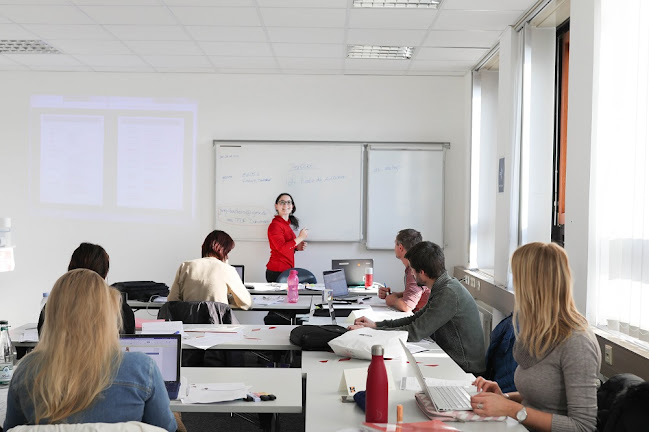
[215, 392]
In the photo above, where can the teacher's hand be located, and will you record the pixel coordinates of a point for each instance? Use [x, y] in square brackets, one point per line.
[301, 246]
[304, 233]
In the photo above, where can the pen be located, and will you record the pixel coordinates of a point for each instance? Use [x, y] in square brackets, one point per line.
[367, 298]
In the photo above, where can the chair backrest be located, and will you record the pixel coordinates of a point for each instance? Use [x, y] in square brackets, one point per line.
[204, 312]
[304, 275]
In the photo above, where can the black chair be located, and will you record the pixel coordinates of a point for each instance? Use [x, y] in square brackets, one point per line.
[203, 312]
[304, 275]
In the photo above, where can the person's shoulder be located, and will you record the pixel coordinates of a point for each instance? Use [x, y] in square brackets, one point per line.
[581, 341]
[134, 363]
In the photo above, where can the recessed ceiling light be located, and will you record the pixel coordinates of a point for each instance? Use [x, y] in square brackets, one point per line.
[432, 4]
[379, 52]
[27, 47]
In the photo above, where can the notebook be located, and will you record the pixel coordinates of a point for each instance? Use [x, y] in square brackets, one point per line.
[164, 350]
[354, 269]
[445, 398]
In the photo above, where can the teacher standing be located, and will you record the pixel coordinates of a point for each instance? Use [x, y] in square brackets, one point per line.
[282, 238]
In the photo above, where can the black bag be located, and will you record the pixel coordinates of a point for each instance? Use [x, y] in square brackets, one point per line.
[142, 290]
[315, 337]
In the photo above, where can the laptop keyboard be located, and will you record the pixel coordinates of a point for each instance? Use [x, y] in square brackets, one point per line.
[450, 398]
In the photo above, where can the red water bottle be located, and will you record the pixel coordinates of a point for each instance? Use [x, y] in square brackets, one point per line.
[376, 389]
[293, 281]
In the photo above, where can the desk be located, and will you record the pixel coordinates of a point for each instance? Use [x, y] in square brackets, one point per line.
[323, 398]
[281, 289]
[268, 338]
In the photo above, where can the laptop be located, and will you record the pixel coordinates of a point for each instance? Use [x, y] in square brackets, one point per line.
[354, 269]
[445, 398]
[240, 270]
[164, 349]
[335, 281]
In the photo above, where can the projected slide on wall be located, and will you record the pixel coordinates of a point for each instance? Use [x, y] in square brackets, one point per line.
[113, 158]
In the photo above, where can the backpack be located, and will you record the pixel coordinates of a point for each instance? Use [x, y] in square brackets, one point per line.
[315, 337]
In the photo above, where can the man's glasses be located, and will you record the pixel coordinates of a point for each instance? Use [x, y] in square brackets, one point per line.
[282, 202]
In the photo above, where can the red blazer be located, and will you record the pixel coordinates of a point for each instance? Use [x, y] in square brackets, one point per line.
[282, 245]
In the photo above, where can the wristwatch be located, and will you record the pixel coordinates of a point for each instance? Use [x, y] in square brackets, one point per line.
[521, 415]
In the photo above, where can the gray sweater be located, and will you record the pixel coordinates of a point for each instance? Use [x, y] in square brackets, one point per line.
[451, 318]
[563, 383]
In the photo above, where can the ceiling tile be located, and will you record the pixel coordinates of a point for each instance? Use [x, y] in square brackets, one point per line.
[112, 61]
[304, 3]
[435, 73]
[244, 62]
[237, 71]
[217, 16]
[306, 35]
[15, 31]
[457, 38]
[309, 63]
[183, 69]
[310, 50]
[472, 20]
[303, 17]
[146, 32]
[377, 64]
[236, 49]
[144, 68]
[373, 72]
[89, 32]
[43, 59]
[227, 34]
[391, 37]
[38, 2]
[441, 66]
[114, 2]
[213, 3]
[62, 68]
[338, 71]
[391, 18]
[496, 5]
[77, 46]
[4, 61]
[178, 48]
[140, 15]
[169, 61]
[44, 14]
[13, 67]
[450, 54]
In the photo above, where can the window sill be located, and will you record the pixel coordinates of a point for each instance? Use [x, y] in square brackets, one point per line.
[628, 357]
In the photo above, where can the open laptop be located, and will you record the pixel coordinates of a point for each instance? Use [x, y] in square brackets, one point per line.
[241, 272]
[335, 281]
[445, 398]
[164, 349]
[354, 269]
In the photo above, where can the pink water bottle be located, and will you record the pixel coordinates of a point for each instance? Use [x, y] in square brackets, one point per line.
[293, 280]
[376, 389]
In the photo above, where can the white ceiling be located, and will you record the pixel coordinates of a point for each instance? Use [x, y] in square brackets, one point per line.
[251, 36]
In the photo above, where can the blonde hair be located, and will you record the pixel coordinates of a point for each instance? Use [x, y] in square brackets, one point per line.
[78, 353]
[544, 308]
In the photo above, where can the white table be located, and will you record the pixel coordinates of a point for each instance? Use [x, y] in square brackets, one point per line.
[274, 288]
[323, 397]
[256, 337]
[376, 308]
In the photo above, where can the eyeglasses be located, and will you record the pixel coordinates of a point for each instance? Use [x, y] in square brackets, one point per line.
[282, 202]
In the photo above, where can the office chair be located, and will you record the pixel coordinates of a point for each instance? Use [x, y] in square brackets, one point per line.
[304, 275]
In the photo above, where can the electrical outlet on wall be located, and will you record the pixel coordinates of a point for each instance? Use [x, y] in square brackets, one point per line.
[608, 354]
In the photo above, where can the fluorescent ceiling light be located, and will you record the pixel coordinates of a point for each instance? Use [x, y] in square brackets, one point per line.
[432, 4]
[379, 52]
[26, 47]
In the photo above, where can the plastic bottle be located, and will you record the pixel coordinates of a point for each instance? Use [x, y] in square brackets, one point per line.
[44, 299]
[293, 280]
[376, 389]
[7, 354]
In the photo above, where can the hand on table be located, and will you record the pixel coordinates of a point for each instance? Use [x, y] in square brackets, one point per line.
[384, 291]
[492, 404]
[364, 322]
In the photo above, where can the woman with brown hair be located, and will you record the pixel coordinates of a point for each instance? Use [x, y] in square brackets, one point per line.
[211, 278]
[77, 372]
[557, 354]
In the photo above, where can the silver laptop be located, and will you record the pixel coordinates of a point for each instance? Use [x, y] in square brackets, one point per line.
[354, 269]
[335, 281]
[445, 398]
[164, 349]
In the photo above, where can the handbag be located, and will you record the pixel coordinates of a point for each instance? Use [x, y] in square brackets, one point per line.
[315, 337]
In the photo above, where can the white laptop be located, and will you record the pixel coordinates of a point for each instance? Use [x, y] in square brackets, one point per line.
[445, 398]
[164, 349]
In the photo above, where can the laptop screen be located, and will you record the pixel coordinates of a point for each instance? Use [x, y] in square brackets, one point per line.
[239, 269]
[335, 281]
[354, 269]
[164, 350]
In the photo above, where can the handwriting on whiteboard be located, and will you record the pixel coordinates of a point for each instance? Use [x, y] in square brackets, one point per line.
[386, 168]
[313, 179]
[242, 215]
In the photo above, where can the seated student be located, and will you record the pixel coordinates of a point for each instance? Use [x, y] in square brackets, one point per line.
[413, 297]
[94, 257]
[557, 354]
[77, 373]
[211, 278]
[450, 317]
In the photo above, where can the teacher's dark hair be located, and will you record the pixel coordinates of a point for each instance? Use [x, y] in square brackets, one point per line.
[92, 257]
[292, 219]
[427, 256]
[217, 244]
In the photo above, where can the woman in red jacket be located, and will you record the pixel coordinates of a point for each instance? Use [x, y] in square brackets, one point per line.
[282, 239]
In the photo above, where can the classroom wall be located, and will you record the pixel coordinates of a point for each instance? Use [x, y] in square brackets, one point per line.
[349, 108]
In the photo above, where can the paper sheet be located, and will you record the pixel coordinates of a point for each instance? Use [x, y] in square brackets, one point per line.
[207, 340]
[268, 300]
[162, 327]
[29, 335]
[214, 392]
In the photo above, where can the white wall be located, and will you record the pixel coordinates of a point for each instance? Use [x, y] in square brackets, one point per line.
[350, 108]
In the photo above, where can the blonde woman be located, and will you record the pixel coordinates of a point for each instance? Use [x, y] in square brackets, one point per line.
[77, 372]
[558, 356]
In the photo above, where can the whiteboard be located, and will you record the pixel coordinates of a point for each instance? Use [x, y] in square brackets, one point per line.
[325, 180]
[405, 189]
